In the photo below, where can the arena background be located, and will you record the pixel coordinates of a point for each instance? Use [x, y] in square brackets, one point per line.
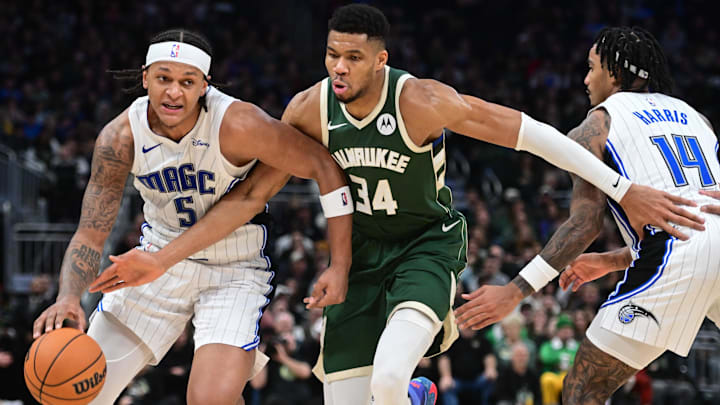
[55, 95]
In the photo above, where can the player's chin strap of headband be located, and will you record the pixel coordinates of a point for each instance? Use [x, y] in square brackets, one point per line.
[179, 52]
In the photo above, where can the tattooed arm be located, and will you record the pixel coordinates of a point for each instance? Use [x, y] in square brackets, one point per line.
[111, 163]
[489, 304]
[586, 209]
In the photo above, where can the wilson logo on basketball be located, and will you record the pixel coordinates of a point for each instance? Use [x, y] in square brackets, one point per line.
[88, 383]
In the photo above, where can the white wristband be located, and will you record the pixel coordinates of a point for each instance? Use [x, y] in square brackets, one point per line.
[550, 144]
[337, 202]
[538, 273]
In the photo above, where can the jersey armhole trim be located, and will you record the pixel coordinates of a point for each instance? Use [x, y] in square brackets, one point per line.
[401, 123]
[324, 112]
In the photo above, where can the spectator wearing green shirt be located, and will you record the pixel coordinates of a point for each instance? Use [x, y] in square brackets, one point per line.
[556, 358]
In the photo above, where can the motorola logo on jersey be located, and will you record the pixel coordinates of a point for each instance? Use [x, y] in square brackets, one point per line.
[630, 311]
[183, 178]
[386, 124]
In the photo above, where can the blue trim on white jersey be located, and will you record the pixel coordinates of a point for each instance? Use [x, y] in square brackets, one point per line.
[648, 284]
[256, 341]
[231, 185]
[262, 249]
[620, 216]
[616, 158]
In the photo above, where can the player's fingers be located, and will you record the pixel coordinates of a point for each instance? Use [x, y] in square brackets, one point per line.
[673, 231]
[115, 259]
[50, 321]
[564, 277]
[711, 209]
[39, 324]
[679, 200]
[469, 310]
[710, 193]
[473, 321]
[115, 287]
[688, 219]
[103, 278]
[103, 286]
[473, 294]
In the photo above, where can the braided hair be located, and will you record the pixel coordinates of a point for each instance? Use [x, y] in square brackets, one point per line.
[632, 53]
[177, 35]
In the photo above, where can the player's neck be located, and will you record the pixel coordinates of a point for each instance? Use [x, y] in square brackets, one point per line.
[175, 132]
[365, 104]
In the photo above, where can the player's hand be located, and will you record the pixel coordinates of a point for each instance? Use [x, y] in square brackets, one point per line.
[711, 209]
[587, 267]
[487, 305]
[646, 205]
[329, 289]
[67, 307]
[133, 268]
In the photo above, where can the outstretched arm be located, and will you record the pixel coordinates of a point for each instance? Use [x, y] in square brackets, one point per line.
[489, 304]
[111, 163]
[434, 105]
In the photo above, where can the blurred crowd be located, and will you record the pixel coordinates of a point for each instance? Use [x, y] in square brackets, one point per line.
[56, 93]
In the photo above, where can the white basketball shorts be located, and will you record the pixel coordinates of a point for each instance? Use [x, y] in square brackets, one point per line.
[667, 292]
[226, 300]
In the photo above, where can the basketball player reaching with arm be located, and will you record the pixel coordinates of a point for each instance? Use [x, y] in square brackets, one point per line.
[668, 288]
[386, 130]
[188, 144]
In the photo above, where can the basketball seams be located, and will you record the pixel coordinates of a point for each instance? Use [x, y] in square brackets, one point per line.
[91, 395]
[79, 372]
[52, 363]
[37, 348]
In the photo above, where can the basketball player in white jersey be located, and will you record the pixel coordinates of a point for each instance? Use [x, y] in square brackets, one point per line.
[671, 285]
[356, 63]
[188, 144]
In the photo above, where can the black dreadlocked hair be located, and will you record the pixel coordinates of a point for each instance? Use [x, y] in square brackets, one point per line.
[360, 19]
[631, 53]
[178, 35]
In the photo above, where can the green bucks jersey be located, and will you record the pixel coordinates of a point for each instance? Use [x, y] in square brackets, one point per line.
[398, 187]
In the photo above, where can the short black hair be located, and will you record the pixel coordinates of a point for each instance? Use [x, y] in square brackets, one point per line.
[360, 19]
[177, 35]
[631, 53]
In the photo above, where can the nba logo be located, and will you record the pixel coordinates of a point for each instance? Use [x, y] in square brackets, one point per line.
[344, 199]
[174, 50]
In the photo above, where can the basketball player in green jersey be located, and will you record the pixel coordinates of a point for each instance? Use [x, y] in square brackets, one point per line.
[385, 128]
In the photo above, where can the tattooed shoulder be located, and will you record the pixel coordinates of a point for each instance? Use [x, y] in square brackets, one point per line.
[593, 131]
[111, 163]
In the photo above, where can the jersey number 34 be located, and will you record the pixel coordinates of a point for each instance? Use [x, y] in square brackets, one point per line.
[382, 199]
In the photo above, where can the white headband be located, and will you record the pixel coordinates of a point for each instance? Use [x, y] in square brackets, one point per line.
[178, 52]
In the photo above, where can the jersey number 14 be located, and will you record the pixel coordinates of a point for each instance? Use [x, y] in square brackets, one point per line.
[689, 155]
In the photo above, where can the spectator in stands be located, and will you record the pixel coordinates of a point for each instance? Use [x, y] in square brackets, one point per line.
[556, 357]
[517, 383]
[468, 371]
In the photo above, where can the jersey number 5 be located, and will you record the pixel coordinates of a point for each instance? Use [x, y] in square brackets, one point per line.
[182, 208]
[689, 155]
[382, 198]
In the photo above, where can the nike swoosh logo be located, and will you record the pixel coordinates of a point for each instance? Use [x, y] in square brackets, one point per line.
[331, 126]
[446, 228]
[146, 150]
[617, 182]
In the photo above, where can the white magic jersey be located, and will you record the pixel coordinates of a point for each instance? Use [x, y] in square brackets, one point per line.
[662, 142]
[180, 181]
[672, 285]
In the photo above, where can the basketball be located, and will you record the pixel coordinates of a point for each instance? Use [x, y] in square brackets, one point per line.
[64, 367]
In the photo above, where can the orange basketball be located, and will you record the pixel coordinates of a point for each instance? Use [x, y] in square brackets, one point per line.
[64, 367]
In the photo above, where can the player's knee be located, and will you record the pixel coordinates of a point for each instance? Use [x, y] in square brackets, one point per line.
[216, 393]
[388, 383]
